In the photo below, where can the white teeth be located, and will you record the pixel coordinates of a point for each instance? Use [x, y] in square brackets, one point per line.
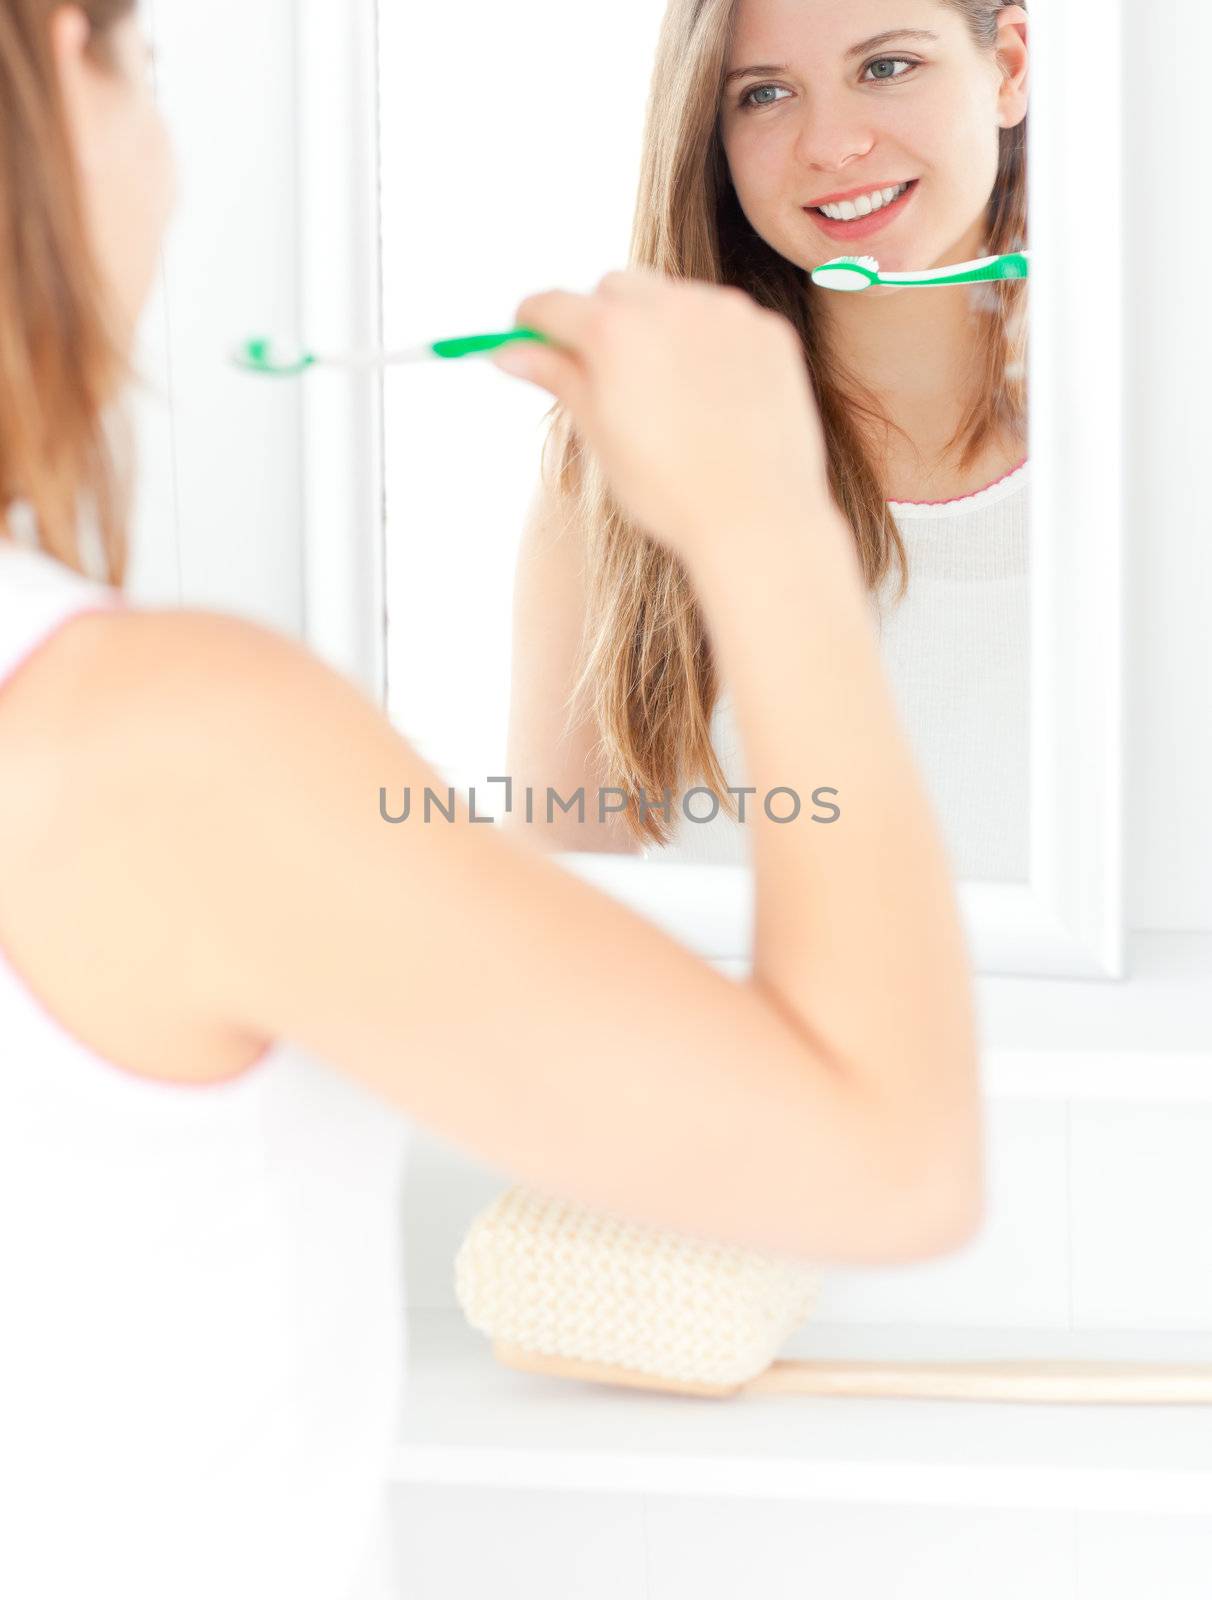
[847, 210]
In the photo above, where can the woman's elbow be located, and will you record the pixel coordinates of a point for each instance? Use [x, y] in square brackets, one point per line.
[938, 1199]
[955, 1201]
[955, 1223]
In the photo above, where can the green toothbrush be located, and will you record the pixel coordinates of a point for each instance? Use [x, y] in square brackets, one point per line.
[275, 359]
[860, 272]
[278, 360]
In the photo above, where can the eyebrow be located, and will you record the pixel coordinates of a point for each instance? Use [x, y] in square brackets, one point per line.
[854, 50]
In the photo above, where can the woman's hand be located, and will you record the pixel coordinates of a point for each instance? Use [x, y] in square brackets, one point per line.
[695, 400]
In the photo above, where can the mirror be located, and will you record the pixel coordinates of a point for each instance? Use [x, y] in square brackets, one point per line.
[527, 166]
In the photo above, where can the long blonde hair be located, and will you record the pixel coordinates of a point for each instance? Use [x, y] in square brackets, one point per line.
[647, 681]
[58, 364]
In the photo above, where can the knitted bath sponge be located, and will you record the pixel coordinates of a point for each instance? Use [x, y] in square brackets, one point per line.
[556, 1279]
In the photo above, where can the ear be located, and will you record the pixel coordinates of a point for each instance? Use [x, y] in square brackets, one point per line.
[77, 74]
[1013, 61]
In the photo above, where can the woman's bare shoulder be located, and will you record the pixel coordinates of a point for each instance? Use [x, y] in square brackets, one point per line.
[110, 735]
[130, 675]
[137, 699]
[68, 694]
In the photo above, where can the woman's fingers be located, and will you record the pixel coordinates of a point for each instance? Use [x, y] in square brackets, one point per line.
[560, 314]
[569, 321]
[538, 364]
[691, 396]
[565, 319]
[569, 318]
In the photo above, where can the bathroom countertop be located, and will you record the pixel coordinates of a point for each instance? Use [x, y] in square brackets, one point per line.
[468, 1419]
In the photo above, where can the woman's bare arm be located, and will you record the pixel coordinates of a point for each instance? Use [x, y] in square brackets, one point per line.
[827, 1109]
[548, 616]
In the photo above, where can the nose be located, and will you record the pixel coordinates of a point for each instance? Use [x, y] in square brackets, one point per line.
[833, 133]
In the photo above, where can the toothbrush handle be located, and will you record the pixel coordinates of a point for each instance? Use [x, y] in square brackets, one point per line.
[1014, 265]
[474, 343]
[449, 348]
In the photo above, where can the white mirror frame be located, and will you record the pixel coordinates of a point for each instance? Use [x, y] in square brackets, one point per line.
[1067, 920]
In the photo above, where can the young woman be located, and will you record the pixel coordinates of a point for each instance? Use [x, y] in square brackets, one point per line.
[227, 984]
[760, 110]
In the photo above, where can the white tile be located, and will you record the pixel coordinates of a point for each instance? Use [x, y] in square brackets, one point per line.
[519, 1544]
[1125, 1558]
[1014, 1274]
[700, 1549]
[1142, 1204]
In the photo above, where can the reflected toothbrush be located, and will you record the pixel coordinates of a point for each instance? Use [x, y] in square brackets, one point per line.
[276, 359]
[860, 272]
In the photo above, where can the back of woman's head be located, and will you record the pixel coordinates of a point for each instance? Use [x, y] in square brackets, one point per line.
[61, 360]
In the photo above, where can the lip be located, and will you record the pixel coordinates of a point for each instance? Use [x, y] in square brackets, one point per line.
[873, 222]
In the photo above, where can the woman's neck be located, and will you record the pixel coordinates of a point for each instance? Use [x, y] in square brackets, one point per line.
[913, 350]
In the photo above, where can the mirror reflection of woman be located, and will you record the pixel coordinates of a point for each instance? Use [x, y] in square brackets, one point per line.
[226, 983]
[759, 111]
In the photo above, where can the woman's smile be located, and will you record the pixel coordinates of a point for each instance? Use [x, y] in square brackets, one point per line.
[863, 227]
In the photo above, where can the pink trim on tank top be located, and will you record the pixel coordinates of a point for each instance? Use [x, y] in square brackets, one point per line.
[54, 1022]
[958, 497]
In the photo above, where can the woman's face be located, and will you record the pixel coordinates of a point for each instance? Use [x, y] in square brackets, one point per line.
[830, 117]
[123, 155]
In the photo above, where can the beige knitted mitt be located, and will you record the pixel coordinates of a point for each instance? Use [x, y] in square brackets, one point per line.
[546, 1278]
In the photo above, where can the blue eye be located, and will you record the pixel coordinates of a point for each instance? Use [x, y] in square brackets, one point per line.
[755, 90]
[751, 105]
[747, 103]
[892, 60]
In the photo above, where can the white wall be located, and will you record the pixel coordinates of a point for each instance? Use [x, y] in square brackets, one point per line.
[1169, 429]
[219, 520]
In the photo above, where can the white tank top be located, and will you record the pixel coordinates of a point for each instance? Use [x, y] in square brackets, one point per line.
[202, 1346]
[956, 654]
